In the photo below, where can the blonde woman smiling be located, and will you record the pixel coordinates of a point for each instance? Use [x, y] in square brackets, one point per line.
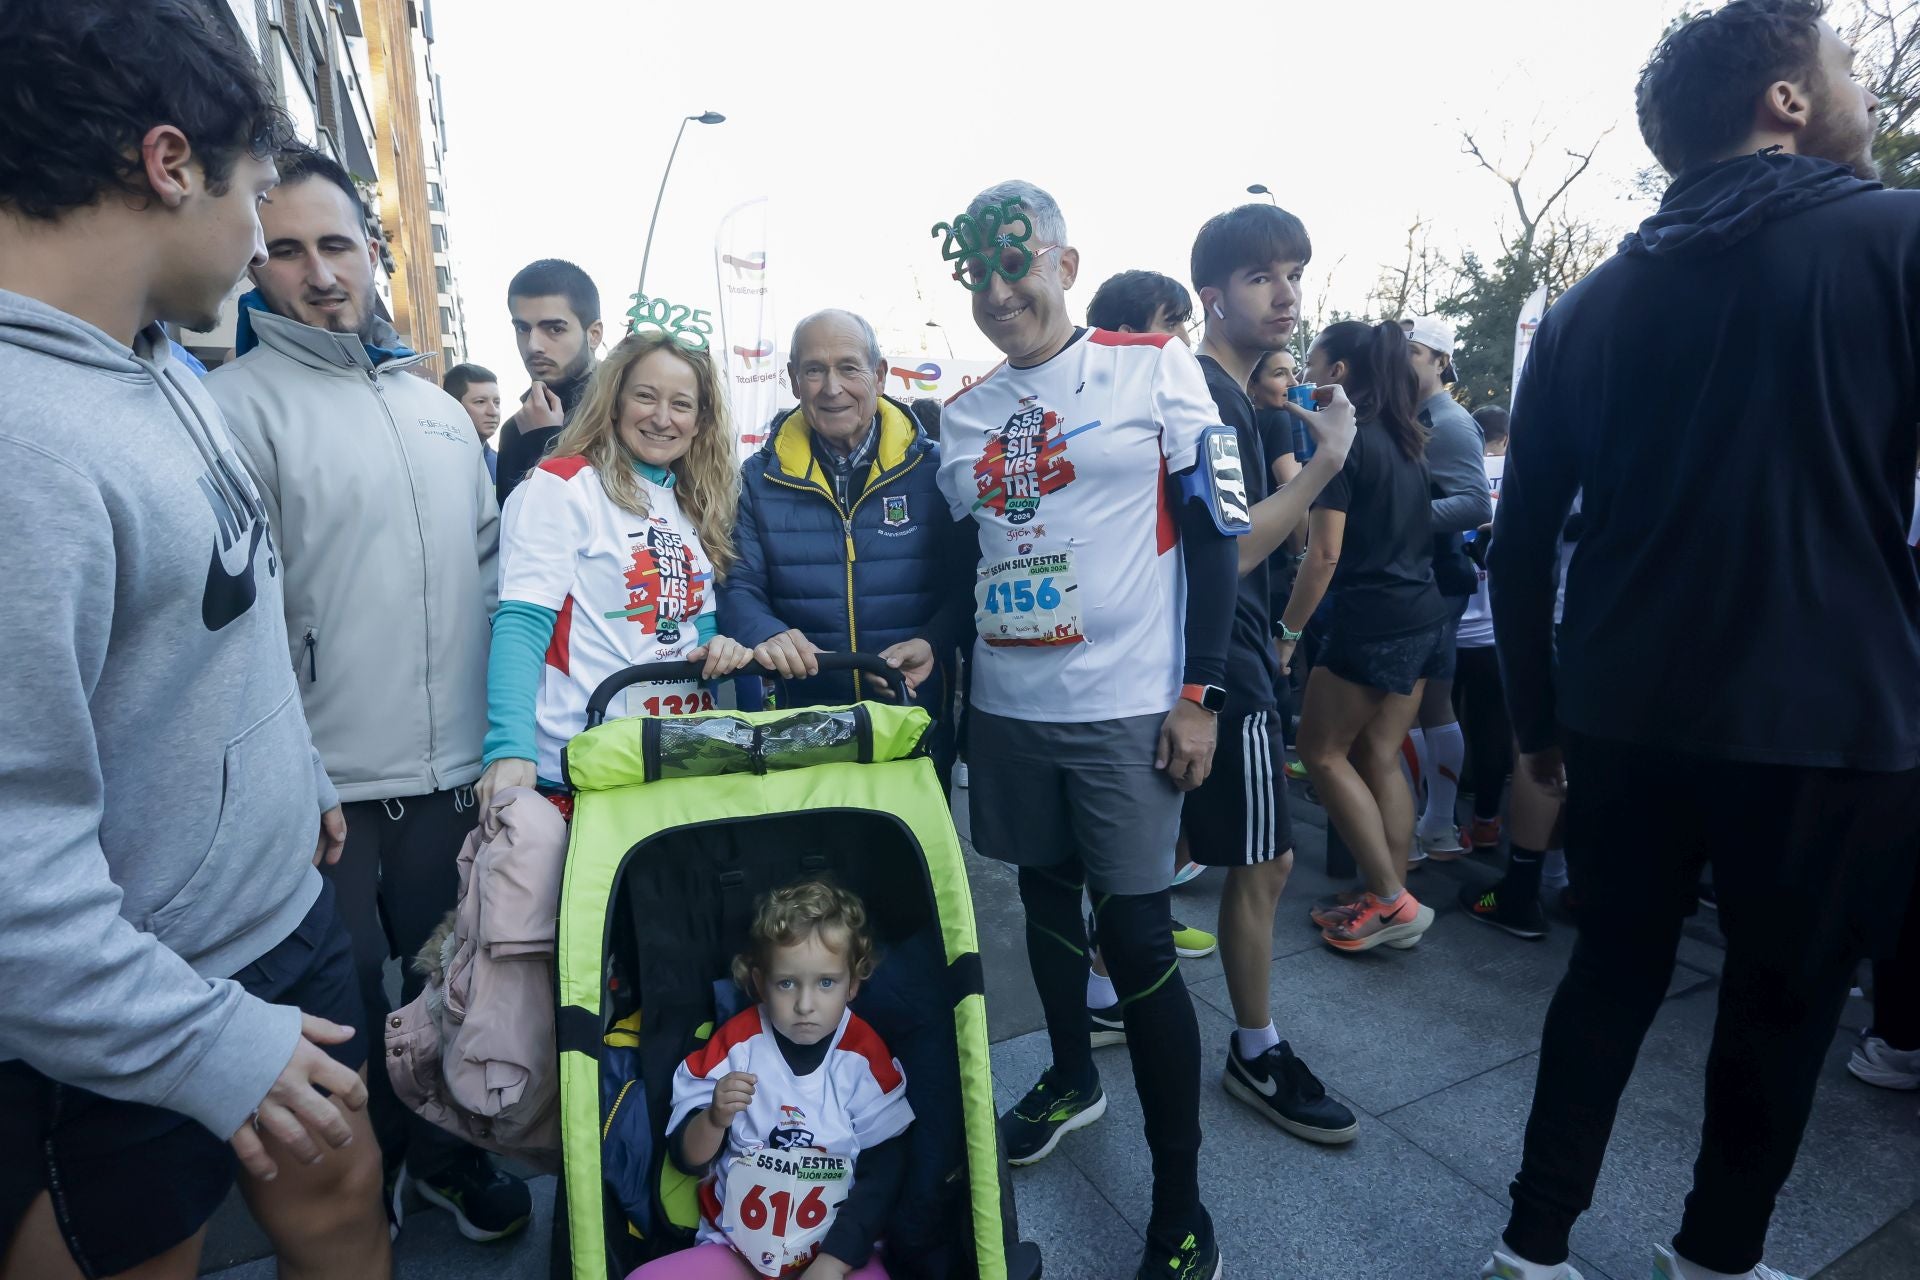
[608, 557]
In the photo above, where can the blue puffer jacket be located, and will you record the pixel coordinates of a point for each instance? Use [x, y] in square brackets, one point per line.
[893, 568]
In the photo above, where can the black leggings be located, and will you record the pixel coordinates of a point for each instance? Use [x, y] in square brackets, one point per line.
[1481, 705]
[1896, 985]
[1163, 1036]
[1811, 857]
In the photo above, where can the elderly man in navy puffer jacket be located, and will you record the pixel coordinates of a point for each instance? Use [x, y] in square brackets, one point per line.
[844, 541]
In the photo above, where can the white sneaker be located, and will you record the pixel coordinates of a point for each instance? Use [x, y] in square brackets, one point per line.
[1504, 1266]
[1442, 846]
[1188, 874]
[1668, 1266]
[1883, 1067]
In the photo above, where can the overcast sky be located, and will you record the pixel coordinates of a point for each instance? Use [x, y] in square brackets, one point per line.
[867, 123]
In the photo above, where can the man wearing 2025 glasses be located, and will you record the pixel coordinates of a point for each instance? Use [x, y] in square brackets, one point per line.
[1097, 573]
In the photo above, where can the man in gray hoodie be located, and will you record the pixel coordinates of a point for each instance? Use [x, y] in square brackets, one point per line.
[383, 508]
[178, 991]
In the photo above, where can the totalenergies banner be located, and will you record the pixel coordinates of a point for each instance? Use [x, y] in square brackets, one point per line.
[747, 321]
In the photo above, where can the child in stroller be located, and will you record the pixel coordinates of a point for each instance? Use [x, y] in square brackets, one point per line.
[794, 1105]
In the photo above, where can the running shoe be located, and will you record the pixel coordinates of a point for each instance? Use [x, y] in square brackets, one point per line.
[1188, 874]
[1035, 1125]
[1884, 1067]
[1521, 918]
[486, 1203]
[1397, 924]
[1192, 1255]
[1334, 908]
[1441, 846]
[1667, 1267]
[1295, 770]
[1484, 833]
[1193, 944]
[1280, 1087]
[1105, 1027]
[1504, 1266]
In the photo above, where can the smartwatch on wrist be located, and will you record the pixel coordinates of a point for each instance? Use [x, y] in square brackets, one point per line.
[1210, 696]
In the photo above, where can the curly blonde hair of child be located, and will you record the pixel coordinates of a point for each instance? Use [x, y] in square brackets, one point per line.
[812, 908]
[706, 476]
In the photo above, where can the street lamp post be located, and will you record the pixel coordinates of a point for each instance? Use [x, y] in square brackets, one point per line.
[705, 117]
[1258, 190]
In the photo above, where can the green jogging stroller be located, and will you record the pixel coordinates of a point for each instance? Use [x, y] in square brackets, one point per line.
[679, 822]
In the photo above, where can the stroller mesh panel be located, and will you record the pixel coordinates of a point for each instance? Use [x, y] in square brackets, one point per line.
[706, 746]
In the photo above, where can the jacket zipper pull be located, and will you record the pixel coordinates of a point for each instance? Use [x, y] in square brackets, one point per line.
[313, 666]
[847, 524]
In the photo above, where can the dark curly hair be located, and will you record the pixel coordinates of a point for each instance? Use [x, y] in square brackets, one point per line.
[1695, 96]
[83, 81]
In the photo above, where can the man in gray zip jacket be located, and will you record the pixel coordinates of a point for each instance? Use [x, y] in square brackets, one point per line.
[384, 511]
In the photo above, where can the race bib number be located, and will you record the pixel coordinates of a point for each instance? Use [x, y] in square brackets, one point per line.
[1030, 600]
[780, 1205]
[666, 699]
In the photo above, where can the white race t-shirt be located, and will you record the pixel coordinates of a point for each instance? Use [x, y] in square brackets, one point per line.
[627, 589]
[1476, 624]
[798, 1131]
[1080, 600]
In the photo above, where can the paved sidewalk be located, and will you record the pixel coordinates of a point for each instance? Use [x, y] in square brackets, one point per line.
[1434, 1047]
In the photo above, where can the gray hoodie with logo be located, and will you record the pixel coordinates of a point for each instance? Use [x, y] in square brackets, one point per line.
[160, 789]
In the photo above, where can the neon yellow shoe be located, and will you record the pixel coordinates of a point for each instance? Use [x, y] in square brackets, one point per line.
[1192, 944]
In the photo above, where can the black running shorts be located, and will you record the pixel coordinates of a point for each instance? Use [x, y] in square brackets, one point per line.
[1239, 816]
[130, 1181]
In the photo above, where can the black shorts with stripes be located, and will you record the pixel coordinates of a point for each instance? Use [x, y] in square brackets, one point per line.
[1238, 816]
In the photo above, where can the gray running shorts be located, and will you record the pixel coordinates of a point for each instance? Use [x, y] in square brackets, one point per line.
[1046, 795]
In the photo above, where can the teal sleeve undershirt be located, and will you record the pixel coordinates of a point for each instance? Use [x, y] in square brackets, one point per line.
[707, 626]
[521, 634]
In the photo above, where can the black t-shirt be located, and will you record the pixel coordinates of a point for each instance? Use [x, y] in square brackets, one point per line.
[1252, 665]
[1383, 586]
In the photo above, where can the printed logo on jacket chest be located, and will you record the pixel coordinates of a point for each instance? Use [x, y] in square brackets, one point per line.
[1023, 462]
[239, 518]
[664, 587]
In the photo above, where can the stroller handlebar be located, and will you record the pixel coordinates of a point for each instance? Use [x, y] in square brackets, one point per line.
[652, 672]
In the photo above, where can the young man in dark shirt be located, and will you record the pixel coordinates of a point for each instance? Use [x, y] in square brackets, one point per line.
[1740, 482]
[556, 322]
[1246, 266]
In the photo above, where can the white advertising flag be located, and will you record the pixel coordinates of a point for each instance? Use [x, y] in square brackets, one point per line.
[1530, 313]
[746, 322]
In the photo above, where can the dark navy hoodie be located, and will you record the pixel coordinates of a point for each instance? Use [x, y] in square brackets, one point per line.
[1735, 396]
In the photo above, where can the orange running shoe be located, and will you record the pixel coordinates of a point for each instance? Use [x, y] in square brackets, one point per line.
[1485, 833]
[1397, 924]
[1335, 908]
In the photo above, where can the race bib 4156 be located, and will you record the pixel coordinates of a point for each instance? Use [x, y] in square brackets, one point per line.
[1029, 600]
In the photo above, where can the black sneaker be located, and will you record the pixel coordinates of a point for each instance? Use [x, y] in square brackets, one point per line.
[1192, 1255]
[1521, 918]
[1035, 1125]
[486, 1204]
[1278, 1086]
[1105, 1027]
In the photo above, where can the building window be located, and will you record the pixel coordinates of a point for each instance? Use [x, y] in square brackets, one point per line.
[446, 321]
[434, 199]
[445, 277]
[439, 237]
